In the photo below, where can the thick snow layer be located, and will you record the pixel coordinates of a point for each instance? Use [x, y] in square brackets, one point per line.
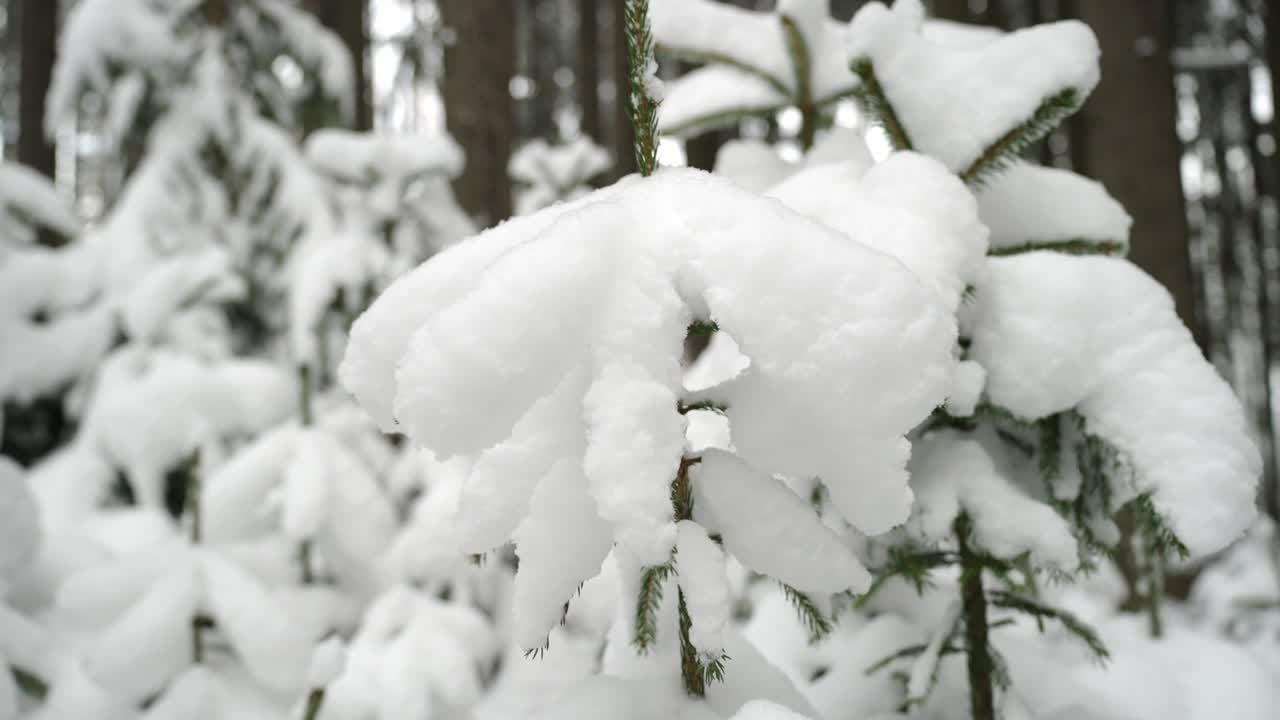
[714, 96]
[1097, 334]
[765, 710]
[153, 408]
[272, 645]
[412, 657]
[176, 283]
[52, 331]
[317, 49]
[908, 206]
[496, 494]
[751, 66]
[753, 164]
[551, 173]
[966, 388]
[771, 529]
[99, 34]
[459, 350]
[701, 566]
[757, 165]
[232, 495]
[561, 544]
[305, 486]
[952, 473]
[1028, 205]
[956, 101]
[751, 677]
[28, 197]
[19, 521]
[150, 642]
[365, 158]
[925, 667]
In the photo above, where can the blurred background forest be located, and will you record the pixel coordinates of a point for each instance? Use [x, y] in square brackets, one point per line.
[1182, 131]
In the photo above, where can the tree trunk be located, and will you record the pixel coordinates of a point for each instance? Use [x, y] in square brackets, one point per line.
[981, 668]
[957, 10]
[215, 12]
[346, 18]
[1271, 490]
[479, 65]
[39, 40]
[623, 135]
[589, 69]
[1136, 154]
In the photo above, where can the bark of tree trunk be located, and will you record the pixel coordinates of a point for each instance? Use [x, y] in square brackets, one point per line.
[346, 18]
[1136, 154]
[623, 134]
[39, 38]
[1271, 492]
[976, 630]
[589, 68]
[479, 65]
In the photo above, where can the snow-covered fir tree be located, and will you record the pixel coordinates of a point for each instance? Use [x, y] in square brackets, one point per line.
[756, 64]
[545, 174]
[52, 331]
[835, 435]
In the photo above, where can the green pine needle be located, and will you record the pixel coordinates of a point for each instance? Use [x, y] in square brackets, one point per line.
[909, 563]
[1155, 529]
[647, 605]
[875, 102]
[1073, 624]
[1074, 246]
[818, 625]
[698, 669]
[1049, 446]
[802, 66]
[644, 107]
[1051, 112]
[30, 683]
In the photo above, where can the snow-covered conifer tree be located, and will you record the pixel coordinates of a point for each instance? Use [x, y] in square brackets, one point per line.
[196, 87]
[1079, 391]
[550, 351]
[756, 64]
[545, 174]
[51, 331]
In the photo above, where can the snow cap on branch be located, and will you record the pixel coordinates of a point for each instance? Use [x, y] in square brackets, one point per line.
[538, 318]
[1096, 334]
[959, 103]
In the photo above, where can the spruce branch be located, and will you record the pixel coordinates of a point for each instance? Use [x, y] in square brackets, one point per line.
[1049, 445]
[641, 64]
[910, 651]
[909, 563]
[315, 700]
[1156, 530]
[1051, 112]
[818, 625]
[945, 637]
[645, 631]
[696, 673]
[1074, 625]
[710, 405]
[729, 117]
[871, 96]
[1072, 246]
[802, 64]
[537, 653]
[30, 683]
[703, 57]
[199, 623]
[981, 666]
